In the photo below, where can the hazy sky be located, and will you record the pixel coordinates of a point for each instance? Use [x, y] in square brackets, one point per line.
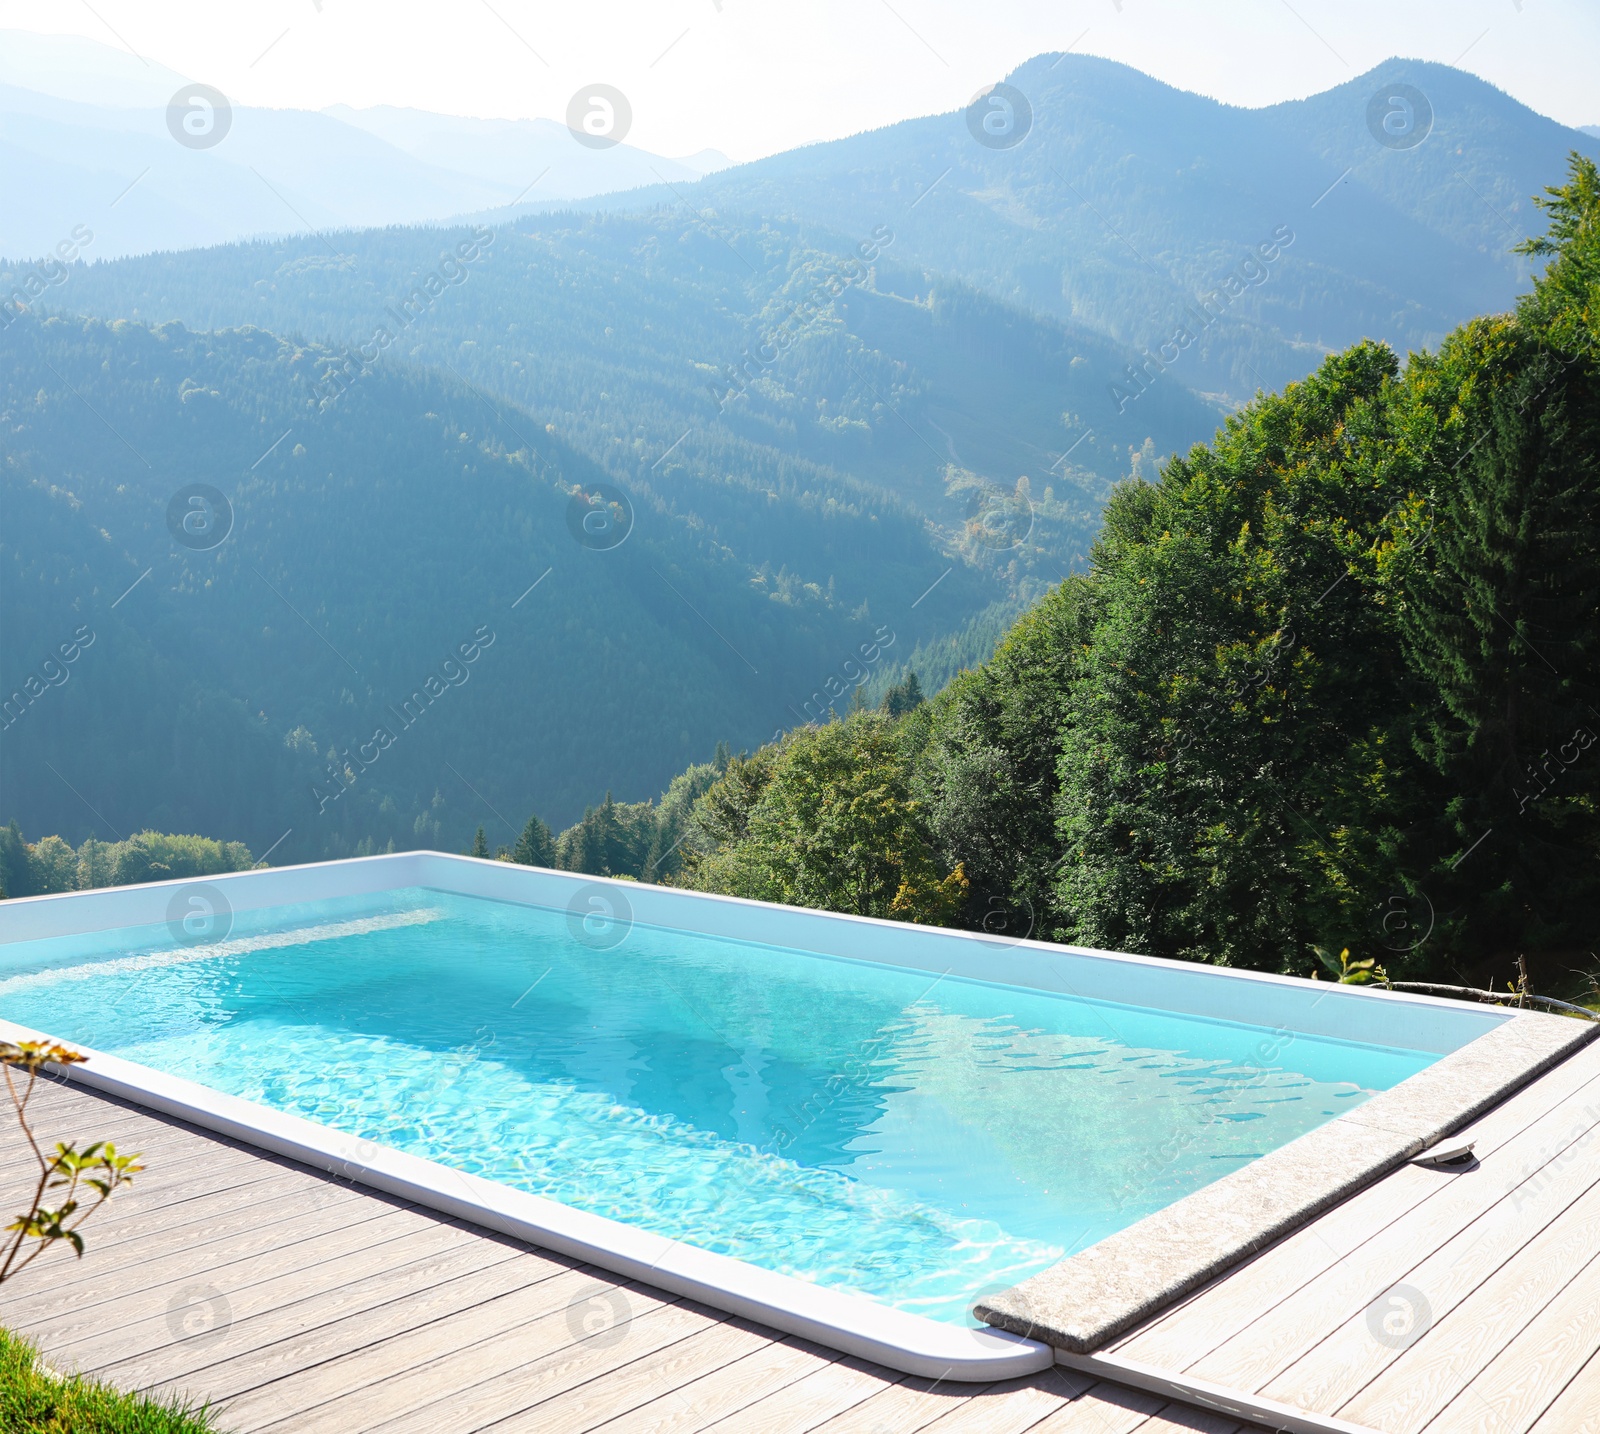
[751, 77]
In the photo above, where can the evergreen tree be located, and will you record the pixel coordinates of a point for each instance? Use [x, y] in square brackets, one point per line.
[1499, 606]
[613, 839]
[905, 696]
[480, 845]
[536, 846]
[1565, 302]
[1237, 688]
[988, 774]
[671, 831]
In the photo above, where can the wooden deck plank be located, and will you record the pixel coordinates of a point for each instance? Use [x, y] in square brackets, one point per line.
[700, 1403]
[321, 1238]
[110, 1234]
[657, 1378]
[318, 1361]
[909, 1405]
[389, 1343]
[1179, 1419]
[811, 1400]
[1268, 1345]
[1011, 1407]
[1198, 1326]
[183, 1362]
[1102, 1409]
[129, 1133]
[301, 1296]
[115, 1263]
[67, 1113]
[1577, 1408]
[171, 1181]
[205, 1201]
[1481, 1289]
[1523, 1380]
[526, 1359]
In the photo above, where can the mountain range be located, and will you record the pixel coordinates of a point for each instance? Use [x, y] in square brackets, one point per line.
[850, 409]
[85, 139]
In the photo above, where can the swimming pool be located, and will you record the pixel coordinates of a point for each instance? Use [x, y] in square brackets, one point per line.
[904, 1118]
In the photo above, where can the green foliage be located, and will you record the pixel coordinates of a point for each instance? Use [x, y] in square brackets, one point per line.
[829, 821]
[673, 814]
[536, 846]
[34, 1400]
[1497, 611]
[1233, 700]
[480, 845]
[1331, 684]
[1566, 299]
[987, 774]
[1347, 972]
[903, 697]
[50, 864]
[612, 839]
[15, 877]
[73, 1175]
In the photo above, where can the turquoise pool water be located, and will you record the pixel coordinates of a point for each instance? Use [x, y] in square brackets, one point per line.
[914, 1138]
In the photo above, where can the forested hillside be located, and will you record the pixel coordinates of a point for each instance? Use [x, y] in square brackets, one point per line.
[1332, 681]
[892, 472]
[732, 364]
[379, 573]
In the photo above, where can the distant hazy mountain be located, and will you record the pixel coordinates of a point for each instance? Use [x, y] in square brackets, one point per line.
[73, 67]
[525, 158]
[1127, 201]
[84, 142]
[1593, 129]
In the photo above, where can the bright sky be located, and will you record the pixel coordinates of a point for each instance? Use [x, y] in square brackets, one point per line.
[750, 77]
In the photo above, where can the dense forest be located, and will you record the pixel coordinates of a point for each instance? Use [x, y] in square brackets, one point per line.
[1329, 681]
[233, 687]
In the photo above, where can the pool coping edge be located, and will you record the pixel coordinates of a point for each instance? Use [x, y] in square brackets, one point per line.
[1085, 1301]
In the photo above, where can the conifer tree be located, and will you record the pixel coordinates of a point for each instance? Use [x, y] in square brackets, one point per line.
[536, 846]
[1500, 610]
[480, 845]
[905, 696]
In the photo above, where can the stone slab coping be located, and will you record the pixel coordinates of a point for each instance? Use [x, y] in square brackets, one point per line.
[1089, 1299]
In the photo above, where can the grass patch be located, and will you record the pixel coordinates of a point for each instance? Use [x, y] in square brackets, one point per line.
[34, 1401]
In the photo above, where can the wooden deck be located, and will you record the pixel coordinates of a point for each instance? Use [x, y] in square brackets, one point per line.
[292, 1301]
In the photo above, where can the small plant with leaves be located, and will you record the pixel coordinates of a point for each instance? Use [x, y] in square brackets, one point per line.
[77, 1182]
[1347, 972]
